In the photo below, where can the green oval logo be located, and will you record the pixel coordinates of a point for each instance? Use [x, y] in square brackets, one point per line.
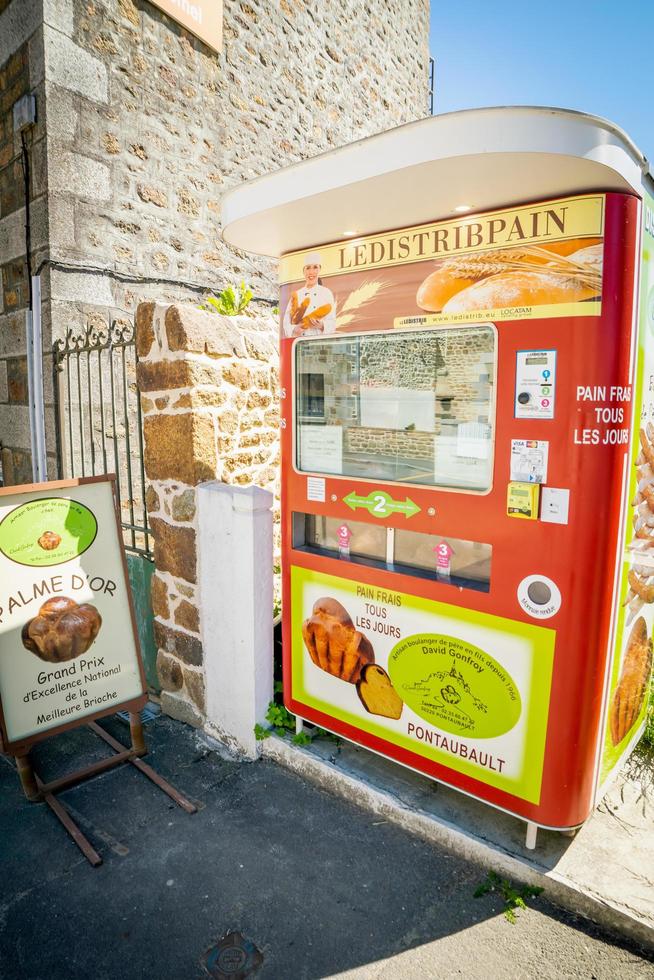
[454, 685]
[47, 531]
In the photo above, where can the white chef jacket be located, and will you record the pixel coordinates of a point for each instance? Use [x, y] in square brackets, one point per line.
[318, 296]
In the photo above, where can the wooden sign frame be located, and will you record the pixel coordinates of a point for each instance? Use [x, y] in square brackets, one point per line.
[21, 746]
[36, 789]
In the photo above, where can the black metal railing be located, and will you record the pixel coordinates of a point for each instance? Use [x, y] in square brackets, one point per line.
[98, 417]
[432, 68]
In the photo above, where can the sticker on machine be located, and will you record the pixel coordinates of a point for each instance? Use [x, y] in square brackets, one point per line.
[465, 689]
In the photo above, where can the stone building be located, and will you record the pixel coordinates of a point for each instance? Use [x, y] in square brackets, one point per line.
[139, 130]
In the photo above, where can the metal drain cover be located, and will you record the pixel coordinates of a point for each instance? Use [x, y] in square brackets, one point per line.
[233, 958]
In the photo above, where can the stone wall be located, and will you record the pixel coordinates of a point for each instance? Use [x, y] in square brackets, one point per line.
[146, 128]
[152, 127]
[21, 71]
[209, 388]
[389, 443]
[142, 128]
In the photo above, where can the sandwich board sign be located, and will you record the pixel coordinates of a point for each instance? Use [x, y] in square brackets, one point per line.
[69, 651]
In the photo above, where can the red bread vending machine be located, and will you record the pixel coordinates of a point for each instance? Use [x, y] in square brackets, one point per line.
[467, 373]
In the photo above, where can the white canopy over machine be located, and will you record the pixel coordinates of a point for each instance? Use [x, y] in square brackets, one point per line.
[473, 160]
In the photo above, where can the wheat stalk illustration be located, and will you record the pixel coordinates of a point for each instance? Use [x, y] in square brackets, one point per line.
[358, 298]
[482, 265]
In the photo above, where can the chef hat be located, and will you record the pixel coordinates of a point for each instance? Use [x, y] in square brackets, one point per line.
[313, 258]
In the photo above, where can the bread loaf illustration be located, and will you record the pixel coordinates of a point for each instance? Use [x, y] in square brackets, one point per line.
[641, 575]
[569, 247]
[62, 630]
[377, 694]
[629, 695]
[572, 272]
[525, 288]
[591, 255]
[333, 643]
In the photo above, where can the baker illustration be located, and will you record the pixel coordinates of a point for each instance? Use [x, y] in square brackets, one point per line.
[311, 310]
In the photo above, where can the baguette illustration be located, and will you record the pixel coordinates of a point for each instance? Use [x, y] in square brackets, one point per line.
[333, 643]
[629, 695]
[317, 314]
[292, 310]
[300, 312]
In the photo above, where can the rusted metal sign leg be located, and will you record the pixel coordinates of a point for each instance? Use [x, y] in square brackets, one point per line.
[69, 824]
[136, 731]
[148, 771]
[27, 777]
[35, 789]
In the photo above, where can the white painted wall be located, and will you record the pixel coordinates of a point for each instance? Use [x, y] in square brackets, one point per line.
[235, 565]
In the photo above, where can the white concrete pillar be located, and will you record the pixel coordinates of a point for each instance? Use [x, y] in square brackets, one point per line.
[235, 569]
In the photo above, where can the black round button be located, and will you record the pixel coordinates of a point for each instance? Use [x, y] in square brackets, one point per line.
[539, 593]
[524, 397]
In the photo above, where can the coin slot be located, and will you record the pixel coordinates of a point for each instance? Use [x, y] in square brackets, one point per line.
[539, 593]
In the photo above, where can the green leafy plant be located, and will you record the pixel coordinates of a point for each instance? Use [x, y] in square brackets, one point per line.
[514, 897]
[231, 301]
[277, 601]
[282, 723]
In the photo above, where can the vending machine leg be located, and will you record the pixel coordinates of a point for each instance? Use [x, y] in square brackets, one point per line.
[299, 725]
[530, 839]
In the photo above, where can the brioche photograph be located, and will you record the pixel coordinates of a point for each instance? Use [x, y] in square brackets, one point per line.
[62, 630]
[333, 643]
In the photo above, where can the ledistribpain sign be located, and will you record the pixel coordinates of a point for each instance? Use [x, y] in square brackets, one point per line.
[68, 650]
[537, 261]
[204, 18]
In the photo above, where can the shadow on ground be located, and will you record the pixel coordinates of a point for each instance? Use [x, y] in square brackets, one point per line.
[321, 887]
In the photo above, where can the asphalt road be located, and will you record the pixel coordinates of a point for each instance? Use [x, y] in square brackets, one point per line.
[321, 887]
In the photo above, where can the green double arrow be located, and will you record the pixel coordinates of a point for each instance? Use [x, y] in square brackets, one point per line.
[381, 504]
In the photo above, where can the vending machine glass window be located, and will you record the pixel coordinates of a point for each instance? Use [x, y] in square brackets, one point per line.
[413, 407]
[470, 561]
[319, 534]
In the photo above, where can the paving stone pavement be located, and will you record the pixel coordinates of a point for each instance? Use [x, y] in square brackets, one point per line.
[323, 888]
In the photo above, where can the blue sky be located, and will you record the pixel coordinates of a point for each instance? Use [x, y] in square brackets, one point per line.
[597, 57]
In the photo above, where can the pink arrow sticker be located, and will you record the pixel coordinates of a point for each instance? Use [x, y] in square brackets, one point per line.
[344, 535]
[443, 552]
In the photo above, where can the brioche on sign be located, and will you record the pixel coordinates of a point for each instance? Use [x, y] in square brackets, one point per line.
[334, 644]
[62, 630]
